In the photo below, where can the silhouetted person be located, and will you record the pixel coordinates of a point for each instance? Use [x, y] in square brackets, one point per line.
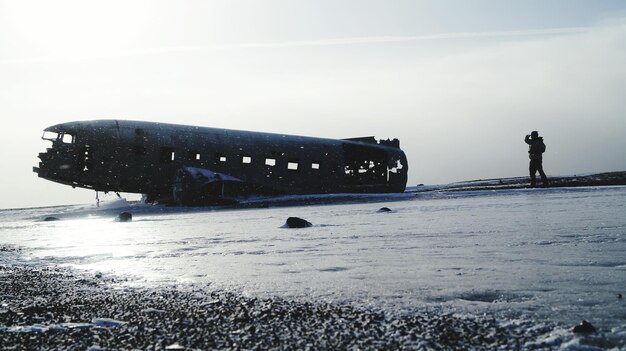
[535, 150]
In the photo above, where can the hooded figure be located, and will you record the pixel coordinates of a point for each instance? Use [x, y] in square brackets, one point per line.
[536, 148]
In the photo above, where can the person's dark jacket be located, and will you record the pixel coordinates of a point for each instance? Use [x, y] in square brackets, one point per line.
[536, 147]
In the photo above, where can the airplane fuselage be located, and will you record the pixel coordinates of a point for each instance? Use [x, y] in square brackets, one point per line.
[150, 158]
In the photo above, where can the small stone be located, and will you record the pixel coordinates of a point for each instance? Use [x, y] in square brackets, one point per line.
[125, 217]
[175, 346]
[584, 328]
[296, 222]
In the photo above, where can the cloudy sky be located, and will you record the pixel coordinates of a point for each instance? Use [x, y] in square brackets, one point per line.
[458, 82]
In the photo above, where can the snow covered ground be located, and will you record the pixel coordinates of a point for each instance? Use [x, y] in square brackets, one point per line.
[552, 255]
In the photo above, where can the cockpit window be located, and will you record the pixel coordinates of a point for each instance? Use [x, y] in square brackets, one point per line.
[52, 136]
[67, 138]
[63, 137]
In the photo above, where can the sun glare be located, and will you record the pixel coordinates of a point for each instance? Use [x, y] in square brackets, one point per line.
[90, 237]
[74, 27]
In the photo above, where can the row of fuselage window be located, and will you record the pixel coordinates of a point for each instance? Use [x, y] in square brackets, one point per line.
[169, 155]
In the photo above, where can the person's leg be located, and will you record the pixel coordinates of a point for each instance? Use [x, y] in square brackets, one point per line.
[544, 179]
[532, 169]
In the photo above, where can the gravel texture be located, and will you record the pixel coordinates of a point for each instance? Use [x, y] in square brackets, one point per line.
[55, 308]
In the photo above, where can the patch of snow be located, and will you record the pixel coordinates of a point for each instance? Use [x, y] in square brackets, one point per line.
[106, 322]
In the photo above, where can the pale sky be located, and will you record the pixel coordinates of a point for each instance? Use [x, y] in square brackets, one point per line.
[460, 83]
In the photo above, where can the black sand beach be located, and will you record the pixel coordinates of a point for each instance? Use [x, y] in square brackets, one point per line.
[51, 308]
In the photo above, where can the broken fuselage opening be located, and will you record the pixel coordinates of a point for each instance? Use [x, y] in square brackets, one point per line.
[197, 165]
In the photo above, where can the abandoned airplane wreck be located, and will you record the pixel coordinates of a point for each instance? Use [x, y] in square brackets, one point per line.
[191, 165]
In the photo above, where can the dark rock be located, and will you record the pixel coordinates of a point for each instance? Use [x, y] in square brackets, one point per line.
[296, 222]
[384, 210]
[584, 328]
[50, 219]
[125, 217]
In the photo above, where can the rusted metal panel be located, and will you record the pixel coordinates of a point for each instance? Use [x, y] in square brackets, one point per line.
[151, 158]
